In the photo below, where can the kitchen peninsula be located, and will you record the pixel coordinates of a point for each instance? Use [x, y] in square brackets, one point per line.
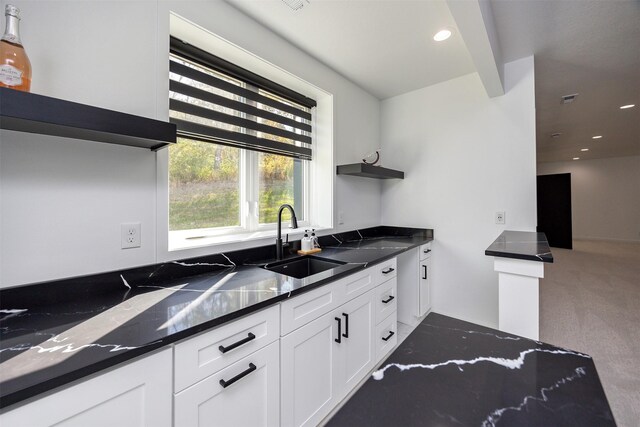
[454, 373]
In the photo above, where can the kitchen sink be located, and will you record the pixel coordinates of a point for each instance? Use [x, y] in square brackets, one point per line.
[302, 267]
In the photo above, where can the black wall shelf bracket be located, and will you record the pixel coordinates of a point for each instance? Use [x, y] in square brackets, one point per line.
[32, 113]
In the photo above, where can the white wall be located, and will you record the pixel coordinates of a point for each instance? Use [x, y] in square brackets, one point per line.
[605, 196]
[465, 156]
[62, 201]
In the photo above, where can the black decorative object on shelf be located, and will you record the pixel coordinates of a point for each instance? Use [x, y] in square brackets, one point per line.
[369, 171]
[28, 112]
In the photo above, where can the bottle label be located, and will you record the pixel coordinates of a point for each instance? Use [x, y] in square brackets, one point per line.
[10, 76]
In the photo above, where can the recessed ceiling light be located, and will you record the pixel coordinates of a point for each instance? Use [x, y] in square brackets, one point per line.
[442, 35]
[596, 137]
[584, 149]
[624, 107]
[576, 158]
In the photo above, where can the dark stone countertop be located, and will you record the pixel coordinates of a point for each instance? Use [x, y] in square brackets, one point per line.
[454, 373]
[527, 245]
[56, 332]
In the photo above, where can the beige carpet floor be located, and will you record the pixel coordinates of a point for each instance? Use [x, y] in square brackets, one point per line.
[590, 302]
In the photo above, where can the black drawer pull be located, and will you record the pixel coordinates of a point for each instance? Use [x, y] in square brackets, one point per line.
[224, 349]
[388, 270]
[346, 325]
[241, 375]
[388, 300]
[427, 251]
[339, 339]
[389, 336]
[425, 272]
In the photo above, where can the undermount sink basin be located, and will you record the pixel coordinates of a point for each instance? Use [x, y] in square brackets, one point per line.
[302, 267]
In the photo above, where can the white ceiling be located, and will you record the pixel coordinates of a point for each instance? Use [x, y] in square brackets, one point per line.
[384, 46]
[584, 46]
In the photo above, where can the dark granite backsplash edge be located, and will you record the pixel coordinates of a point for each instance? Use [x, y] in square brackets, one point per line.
[59, 291]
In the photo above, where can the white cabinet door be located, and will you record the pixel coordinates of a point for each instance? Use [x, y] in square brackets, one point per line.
[309, 372]
[408, 287]
[425, 288]
[357, 351]
[245, 394]
[137, 394]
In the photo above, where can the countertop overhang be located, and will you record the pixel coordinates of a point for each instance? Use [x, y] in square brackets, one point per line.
[54, 333]
[525, 245]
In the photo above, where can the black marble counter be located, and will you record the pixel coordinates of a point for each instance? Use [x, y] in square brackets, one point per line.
[56, 332]
[527, 245]
[454, 373]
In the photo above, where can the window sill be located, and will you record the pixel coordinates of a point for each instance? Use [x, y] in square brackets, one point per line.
[182, 240]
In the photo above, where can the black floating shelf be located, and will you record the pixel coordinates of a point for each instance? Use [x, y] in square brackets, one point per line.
[369, 171]
[28, 112]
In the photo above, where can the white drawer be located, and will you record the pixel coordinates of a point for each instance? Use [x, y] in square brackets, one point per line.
[386, 336]
[425, 251]
[250, 395]
[302, 309]
[358, 283]
[386, 299]
[198, 357]
[386, 270]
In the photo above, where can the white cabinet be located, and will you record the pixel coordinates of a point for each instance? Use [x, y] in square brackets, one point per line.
[310, 371]
[202, 355]
[414, 289]
[229, 376]
[386, 336]
[425, 288]
[325, 359]
[357, 350]
[246, 393]
[136, 394]
[385, 298]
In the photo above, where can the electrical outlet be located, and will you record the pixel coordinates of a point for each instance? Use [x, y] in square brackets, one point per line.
[130, 235]
[500, 218]
[340, 217]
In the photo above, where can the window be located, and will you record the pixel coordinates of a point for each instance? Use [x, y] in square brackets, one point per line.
[244, 147]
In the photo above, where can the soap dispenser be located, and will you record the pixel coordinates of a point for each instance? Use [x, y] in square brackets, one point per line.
[314, 239]
[306, 242]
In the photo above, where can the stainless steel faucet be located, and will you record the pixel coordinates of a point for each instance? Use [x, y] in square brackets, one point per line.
[294, 224]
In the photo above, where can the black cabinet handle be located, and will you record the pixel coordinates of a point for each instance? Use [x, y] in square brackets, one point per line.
[224, 349]
[339, 339]
[425, 272]
[390, 334]
[241, 375]
[388, 270]
[427, 251]
[388, 300]
[346, 325]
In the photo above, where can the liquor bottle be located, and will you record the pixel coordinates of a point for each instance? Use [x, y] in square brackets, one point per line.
[15, 68]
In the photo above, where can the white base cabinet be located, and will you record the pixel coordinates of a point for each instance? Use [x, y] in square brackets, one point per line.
[245, 393]
[323, 360]
[137, 395]
[414, 287]
[290, 364]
